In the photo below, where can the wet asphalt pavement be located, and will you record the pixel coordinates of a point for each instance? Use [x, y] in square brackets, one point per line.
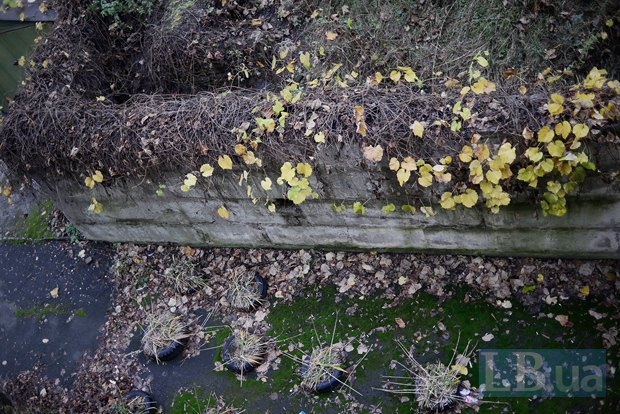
[35, 327]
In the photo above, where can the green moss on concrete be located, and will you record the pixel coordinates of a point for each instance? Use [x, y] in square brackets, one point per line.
[35, 225]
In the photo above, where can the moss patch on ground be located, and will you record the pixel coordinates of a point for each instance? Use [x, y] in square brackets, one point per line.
[42, 312]
[35, 225]
[432, 327]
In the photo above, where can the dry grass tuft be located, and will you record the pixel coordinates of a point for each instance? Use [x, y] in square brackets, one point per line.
[162, 330]
[320, 366]
[244, 291]
[247, 348]
[184, 275]
[434, 385]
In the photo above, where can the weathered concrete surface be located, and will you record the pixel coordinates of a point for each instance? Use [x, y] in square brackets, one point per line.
[133, 212]
[11, 215]
[37, 328]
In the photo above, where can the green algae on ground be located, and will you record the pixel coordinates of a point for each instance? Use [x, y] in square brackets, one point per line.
[34, 226]
[42, 312]
[431, 326]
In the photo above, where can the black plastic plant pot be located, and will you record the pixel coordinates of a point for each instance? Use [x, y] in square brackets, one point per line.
[172, 351]
[146, 401]
[261, 284]
[239, 367]
[6, 406]
[335, 379]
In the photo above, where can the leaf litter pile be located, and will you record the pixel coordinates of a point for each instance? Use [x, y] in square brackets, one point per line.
[143, 288]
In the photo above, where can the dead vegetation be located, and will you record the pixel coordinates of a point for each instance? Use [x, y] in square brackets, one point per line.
[161, 331]
[57, 124]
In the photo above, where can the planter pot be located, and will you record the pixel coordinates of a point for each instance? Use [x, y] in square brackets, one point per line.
[335, 379]
[239, 367]
[171, 351]
[145, 400]
[6, 406]
[261, 291]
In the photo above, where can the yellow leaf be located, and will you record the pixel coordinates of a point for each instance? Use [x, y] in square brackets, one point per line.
[394, 164]
[359, 120]
[466, 154]
[409, 164]
[580, 130]
[100, 98]
[522, 90]
[595, 79]
[428, 211]
[319, 138]
[97, 176]
[585, 290]
[223, 212]
[374, 154]
[304, 169]
[507, 153]
[469, 198]
[331, 35]
[395, 76]
[483, 86]
[358, 208]
[304, 58]
[556, 148]
[465, 114]
[417, 128]
[89, 182]
[559, 99]
[389, 208]
[21, 62]
[190, 180]
[271, 207]
[402, 280]
[411, 77]
[266, 184]
[493, 176]
[533, 154]
[206, 170]
[482, 152]
[545, 134]
[95, 206]
[425, 180]
[482, 61]
[563, 129]
[286, 173]
[447, 202]
[54, 293]
[460, 369]
[403, 176]
[225, 162]
[555, 108]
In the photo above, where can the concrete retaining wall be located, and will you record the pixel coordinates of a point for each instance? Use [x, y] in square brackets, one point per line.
[134, 213]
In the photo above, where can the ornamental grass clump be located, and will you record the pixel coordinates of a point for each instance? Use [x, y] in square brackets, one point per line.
[244, 291]
[184, 276]
[161, 331]
[434, 385]
[246, 349]
[321, 365]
